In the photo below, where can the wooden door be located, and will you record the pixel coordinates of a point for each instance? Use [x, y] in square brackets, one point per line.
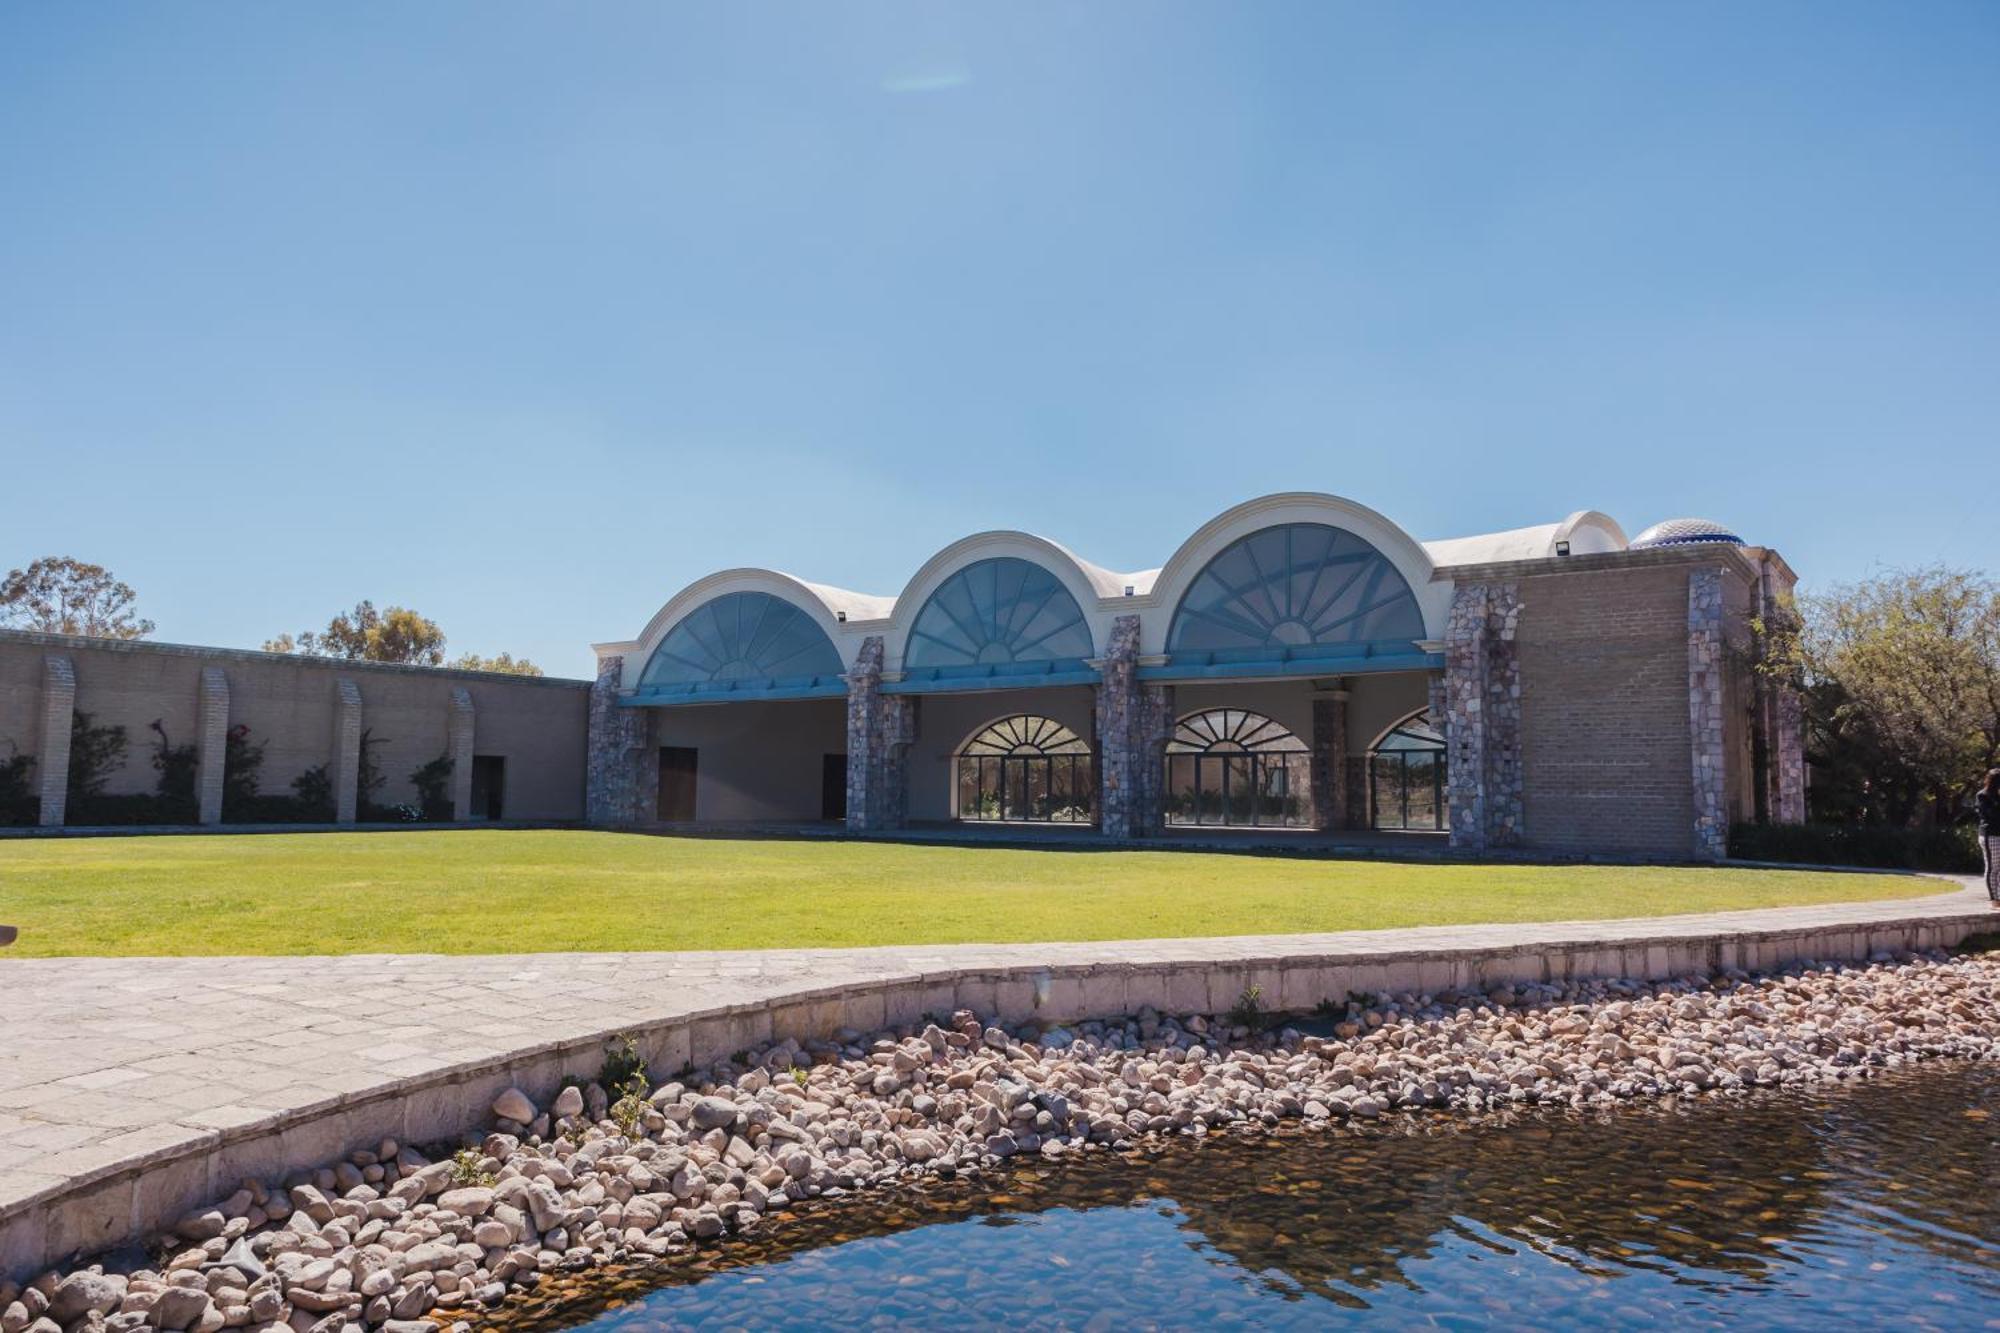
[677, 770]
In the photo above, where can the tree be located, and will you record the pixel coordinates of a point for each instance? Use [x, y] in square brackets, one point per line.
[61, 595]
[1901, 680]
[367, 635]
[505, 663]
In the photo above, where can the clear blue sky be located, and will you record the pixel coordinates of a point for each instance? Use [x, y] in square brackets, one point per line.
[526, 315]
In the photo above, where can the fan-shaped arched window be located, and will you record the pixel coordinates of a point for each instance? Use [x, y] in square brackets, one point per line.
[1406, 776]
[998, 617]
[1027, 769]
[1301, 591]
[1232, 766]
[744, 642]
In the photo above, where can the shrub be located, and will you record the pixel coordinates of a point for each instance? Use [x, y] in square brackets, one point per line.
[20, 804]
[177, 765]
[368, 779]
[313, 790]
[433, 784]
[1875, 846]
[95, 753]
[242, 759]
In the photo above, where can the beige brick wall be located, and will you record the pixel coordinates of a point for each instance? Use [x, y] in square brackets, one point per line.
[289, 702]
[1604, 728]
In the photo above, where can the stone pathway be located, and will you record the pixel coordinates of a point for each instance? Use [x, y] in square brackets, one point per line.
[108, 1062]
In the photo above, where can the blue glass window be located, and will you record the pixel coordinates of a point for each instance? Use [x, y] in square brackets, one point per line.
[1406, 776]
[1027, 769]
[1232, 766]
[996, 617]
[1302, 590]
[744, 640]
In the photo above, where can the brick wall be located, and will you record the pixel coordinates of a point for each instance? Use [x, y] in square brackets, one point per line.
[1605, 732]
[288, 703]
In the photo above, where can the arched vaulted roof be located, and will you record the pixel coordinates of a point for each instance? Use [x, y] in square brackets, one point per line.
[1363, 580]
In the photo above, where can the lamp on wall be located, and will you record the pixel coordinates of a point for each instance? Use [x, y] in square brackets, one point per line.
[841, 616]
[1562, 548]
[1128, 590]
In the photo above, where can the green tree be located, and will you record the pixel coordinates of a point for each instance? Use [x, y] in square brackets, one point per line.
[1901, 680]
[505, 663]
[367, 635]
[61, 595]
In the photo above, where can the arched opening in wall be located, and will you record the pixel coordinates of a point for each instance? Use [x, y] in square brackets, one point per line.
[1026, 770]
[1406, 776]
[1229, 766]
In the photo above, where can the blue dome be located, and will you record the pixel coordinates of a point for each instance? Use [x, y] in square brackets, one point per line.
[1684, 532]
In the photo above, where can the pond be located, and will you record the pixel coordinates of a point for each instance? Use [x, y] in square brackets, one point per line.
[1859, 1204]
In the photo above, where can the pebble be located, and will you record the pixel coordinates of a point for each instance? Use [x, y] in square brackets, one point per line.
[384, 1239]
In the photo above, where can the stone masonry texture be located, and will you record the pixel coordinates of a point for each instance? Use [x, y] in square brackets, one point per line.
[1706, 665]
[1483, 716]
[52, 765]
[621, 774]
[880, 728]
[1133, 721]
[1329, 760]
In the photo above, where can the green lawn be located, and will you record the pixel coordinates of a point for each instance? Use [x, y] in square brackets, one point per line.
[503, 891]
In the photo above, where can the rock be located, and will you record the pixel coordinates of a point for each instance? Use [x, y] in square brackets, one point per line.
[308, 1199]
[467, 1201]
[180, 1307]
[201, 1226]
[514, 1105]
[83, 1292]
[569, 1102]
[714, 1113]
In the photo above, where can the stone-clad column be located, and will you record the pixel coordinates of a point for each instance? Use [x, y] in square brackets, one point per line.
[1134, 721]
[1706, 665]
[1482, 691]
[621, 768]
[345, 770]
[462, 719]
[211, 745]
[1789, 753]
[1329, 760]
[880, 728]
[1780, 735]
[58, 713]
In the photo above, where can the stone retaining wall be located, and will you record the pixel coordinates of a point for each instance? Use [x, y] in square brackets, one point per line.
[140, 1193]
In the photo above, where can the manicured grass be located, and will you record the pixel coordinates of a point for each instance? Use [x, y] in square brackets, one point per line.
[506, 891]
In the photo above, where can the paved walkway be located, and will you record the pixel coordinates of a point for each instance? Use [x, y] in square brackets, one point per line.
[105, 1063]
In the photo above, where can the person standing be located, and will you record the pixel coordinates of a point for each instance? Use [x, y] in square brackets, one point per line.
[1989, 831]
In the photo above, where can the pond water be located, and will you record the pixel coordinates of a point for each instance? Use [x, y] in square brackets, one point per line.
[1862, 1204]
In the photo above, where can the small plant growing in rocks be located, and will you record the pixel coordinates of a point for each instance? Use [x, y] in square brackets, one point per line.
[468, 1168]
[1248, 1011]
[800, 1077]
[624, 1076]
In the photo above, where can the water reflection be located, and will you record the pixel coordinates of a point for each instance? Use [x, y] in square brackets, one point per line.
[1856, 1204]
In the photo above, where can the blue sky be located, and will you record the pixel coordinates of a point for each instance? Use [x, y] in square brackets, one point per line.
[525, 316]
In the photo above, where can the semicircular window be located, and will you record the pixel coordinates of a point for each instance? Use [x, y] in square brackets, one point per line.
[1233, 766]
[1406, 776]
[1298, 592]
[999, 617]
[744, 642]
[1027, 769]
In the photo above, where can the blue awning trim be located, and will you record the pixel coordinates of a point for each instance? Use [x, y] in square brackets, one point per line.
[1309, 660]
[941, 682]
[735, 691]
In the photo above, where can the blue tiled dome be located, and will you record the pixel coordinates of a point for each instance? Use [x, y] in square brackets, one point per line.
[1684, 532]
